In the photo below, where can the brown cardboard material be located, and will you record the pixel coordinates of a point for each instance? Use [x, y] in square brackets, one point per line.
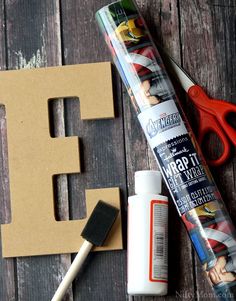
[34, 157]
[38, 236]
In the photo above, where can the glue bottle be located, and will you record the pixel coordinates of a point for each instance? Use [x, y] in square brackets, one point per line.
[147, 236]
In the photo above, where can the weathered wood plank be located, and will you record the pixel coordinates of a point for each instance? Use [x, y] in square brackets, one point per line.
[102, 151]
[208, 33]
[2, 36]
[33, 33]
[4, 210]
[7, 275]
[7, 266]
[162, 19]
[7, 284]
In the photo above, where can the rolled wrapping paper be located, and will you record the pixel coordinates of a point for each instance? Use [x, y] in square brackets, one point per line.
[180, 160]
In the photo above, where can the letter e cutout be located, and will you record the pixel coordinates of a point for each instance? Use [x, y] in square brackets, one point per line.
[34, 157]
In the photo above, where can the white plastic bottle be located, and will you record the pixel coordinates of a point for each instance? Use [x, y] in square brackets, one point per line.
[148, 236]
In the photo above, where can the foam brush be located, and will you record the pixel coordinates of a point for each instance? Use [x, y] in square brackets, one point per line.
[94, 234]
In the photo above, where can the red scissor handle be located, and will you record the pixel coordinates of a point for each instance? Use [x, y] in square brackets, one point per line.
[208, 125]
[211, 121]
[218, 108]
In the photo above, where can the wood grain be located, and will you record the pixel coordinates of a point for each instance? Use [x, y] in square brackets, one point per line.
[102, 151]
[209, 56]
[7, 266]
[33, 34]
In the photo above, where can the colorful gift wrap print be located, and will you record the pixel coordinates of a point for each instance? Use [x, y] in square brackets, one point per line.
[216, 245]
[180, 160]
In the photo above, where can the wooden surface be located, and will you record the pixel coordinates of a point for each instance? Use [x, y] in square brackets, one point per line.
[200, 35]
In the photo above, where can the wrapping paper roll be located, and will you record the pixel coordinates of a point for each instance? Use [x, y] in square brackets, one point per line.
[180, 160]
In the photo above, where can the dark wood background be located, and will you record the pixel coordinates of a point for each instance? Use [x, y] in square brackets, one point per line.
[200, 35]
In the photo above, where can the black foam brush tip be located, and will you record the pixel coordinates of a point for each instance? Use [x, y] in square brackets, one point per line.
[99, 223]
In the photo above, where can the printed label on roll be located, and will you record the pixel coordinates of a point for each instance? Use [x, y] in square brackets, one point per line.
[162, 123]
[182, 168]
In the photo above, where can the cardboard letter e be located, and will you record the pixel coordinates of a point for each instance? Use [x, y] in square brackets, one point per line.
[34, 156]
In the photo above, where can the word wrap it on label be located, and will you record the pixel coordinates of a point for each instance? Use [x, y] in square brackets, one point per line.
[184, 174]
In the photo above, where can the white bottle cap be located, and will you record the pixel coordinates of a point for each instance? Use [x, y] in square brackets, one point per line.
[148, 182]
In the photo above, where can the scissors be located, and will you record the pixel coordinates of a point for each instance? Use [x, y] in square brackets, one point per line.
[213, 113]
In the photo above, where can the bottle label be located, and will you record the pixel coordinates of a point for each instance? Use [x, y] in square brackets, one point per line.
[158, 265]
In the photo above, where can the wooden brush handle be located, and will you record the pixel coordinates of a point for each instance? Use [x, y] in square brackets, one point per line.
[73, 270]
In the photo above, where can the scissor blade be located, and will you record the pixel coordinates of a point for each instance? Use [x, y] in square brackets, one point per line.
[184, 79]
